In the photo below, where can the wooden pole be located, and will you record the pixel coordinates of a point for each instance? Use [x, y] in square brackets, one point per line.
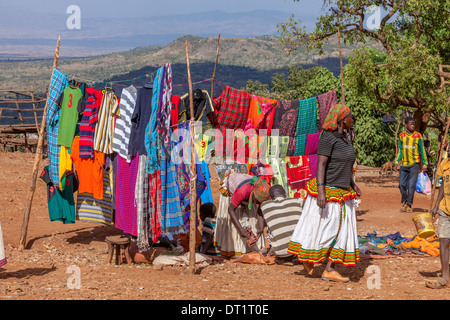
[342, 66]
[37, 159]
[215, 67]
[441, 149]
[193, 218]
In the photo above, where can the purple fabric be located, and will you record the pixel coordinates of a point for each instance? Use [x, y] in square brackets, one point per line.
[313, 165]
[312, 141]
[126, 213]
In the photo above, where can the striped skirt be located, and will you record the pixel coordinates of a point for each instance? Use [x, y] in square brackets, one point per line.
[2, 249]
[326, 232]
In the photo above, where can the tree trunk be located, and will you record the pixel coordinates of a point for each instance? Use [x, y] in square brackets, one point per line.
[421, 125]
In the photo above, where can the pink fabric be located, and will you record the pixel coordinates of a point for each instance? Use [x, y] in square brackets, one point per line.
[241, 194]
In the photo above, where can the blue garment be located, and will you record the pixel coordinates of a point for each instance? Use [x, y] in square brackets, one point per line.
[207, 194]
[59, 82]
[407, 182]
[151, 131]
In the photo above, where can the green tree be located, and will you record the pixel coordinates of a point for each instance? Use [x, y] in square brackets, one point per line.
[414, 37]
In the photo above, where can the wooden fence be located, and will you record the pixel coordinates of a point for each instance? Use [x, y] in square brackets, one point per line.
[20, 119]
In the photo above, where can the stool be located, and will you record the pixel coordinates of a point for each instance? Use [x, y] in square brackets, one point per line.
[115, 243]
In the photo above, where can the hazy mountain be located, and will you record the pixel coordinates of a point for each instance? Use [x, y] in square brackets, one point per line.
[25, 33]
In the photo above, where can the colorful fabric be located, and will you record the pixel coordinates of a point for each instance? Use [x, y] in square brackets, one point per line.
[285, 120]
[65, 165]
[297, 172]
[94, 210]
[125, 203]
[300, 144]
[3, 259]
[59, 82]
[172, 222]
[164, 112]
[444, 171]
[312, 142]
[325, 101]
[174, 110]
[336, 113]
[156, 203]
[259, 108]
[104, 130]
[326, 232]
[260, 190]
[88, 122]
[332, 194]
[71, 103]
[307, 119]
[230, 112]
[143, 206]
[61, 204]
[411, 149]
[152, 144]
[122, 129]
[89, 171]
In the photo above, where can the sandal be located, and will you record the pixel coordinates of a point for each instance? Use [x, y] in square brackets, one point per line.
[333, 276]
[438, 284]
[309, 267]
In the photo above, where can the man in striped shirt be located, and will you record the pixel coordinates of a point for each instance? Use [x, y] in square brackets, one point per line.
[411, 154]
[281, 215]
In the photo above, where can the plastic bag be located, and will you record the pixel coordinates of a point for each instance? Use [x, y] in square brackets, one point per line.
[423, 184]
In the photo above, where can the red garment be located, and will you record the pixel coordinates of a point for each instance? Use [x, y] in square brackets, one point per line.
[241, 194]
[174, 110]
[298, 172]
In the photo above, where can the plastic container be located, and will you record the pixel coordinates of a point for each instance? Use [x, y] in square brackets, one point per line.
[424, 225]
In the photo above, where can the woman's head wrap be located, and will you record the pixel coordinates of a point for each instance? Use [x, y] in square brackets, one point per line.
[260, 190]
[336, 113]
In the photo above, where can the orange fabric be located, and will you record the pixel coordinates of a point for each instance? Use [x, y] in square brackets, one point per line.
[89, 172]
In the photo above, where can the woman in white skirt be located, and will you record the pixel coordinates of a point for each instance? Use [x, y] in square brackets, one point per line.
[327, 227]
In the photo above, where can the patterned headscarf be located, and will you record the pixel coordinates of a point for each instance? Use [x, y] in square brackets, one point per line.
[260, 190]
[336, 113]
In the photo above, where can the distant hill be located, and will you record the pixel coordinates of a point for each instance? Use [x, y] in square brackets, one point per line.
[240, 59]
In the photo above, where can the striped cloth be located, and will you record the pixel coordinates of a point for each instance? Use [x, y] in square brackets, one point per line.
[105, 126]
[411, 149]
[59, 82]
[172, 222]
[88, 123]
[122, 130]
[281, 215]
[3, 259]
[142, 198]
[94, 210]
[126, 212]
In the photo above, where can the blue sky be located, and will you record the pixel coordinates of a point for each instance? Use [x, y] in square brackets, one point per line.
[139, 8]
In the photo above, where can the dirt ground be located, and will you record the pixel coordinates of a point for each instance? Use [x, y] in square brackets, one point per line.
[44, 269]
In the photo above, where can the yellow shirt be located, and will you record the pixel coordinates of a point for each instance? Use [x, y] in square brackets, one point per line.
[444, 172]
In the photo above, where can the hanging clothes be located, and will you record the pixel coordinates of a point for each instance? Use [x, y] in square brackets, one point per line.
[125, 204]
[59, 82]
[312, 142]
[71, 102]
[306, 123]
[325, 101]
[202, 106]
[88, 122]
[297, 172]
[143, 206]
[285, 120]
[139, 121]
[89, 171]
[174, 110]
[104, 129]
[61, 204]
[122, 128]
[151, 136]
[94, 210]
[230, 112]
[259, 108]
[164, 111]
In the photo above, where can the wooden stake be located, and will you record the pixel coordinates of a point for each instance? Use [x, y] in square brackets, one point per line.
[215, 67]
[37, 159]
[441, 149]
[342, 66]
[192, 232]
